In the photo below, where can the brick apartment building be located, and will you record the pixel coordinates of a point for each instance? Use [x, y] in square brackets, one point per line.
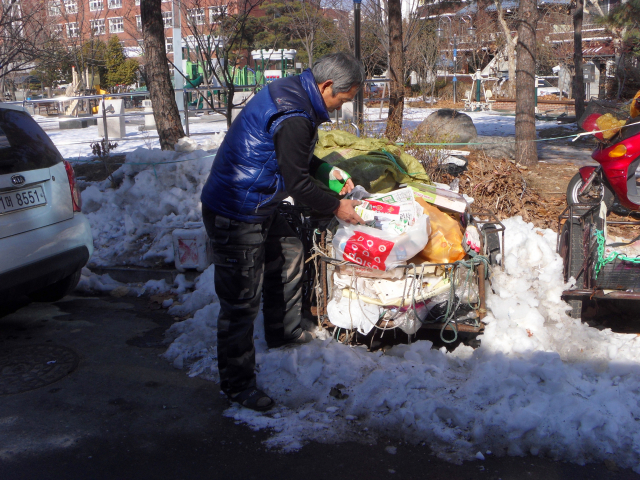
[78, 21]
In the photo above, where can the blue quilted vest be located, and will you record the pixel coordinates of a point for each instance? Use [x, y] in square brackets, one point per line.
[245, 183]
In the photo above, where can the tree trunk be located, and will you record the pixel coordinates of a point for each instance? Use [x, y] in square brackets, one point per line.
[510, 48]
[578, 79]
[163, 100]
[526, 152]
[230, 94]
[396, 71]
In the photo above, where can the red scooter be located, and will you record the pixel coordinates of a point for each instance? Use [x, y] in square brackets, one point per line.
[615, 179]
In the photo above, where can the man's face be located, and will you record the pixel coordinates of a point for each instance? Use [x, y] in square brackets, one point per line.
[334, 103]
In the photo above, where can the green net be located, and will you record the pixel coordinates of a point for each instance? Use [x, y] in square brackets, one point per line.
[603, 259]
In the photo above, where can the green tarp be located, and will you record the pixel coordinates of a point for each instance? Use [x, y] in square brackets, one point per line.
[375, 163]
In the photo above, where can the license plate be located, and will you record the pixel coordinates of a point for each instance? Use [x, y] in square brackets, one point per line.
[20, 199]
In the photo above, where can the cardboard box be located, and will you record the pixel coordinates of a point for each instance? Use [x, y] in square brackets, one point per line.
[439, 197]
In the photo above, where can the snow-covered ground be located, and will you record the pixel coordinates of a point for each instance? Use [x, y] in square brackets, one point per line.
[540, 383]
[75, 144]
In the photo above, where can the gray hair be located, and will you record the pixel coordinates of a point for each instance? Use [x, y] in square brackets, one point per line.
[342, 68]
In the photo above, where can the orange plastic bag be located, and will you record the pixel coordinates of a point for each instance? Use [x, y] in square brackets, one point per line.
[445, 241]
[635, 105]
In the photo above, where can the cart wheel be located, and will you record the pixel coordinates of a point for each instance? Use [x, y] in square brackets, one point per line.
[571, 242]
[469, 339]
[491, 243]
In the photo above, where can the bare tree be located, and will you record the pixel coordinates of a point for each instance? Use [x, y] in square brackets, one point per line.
[222, 38]
[396, 71]
[578, 79]
[422, 56]
[306, 22]
[165, 109]
[483, 45]
[510, 48]
[24, 35]
[526, 152]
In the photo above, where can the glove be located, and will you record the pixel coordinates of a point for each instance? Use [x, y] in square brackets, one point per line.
[471, 240]
[327, 175]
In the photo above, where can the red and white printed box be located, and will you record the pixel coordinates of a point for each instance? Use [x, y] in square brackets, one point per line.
[191, 249]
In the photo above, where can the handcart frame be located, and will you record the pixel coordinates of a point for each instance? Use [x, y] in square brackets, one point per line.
[577, 244]
[319, 276]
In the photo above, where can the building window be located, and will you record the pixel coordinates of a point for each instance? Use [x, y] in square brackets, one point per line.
[95, 5]
[54, 9]
[216, 12]
[97, 26]
[72, 30]
[55, 30]
[115, 3]
[168, 43]
[139, 23]
[167, 19]
[116, 25]
[70, 6]
[196, 16]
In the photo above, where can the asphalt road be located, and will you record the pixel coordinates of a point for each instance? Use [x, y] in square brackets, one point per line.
[84, 394]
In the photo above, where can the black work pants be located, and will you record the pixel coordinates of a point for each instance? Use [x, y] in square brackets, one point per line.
[253, 261]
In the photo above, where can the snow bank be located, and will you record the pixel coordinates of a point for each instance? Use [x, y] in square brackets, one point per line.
[158, 191]
[541, 382]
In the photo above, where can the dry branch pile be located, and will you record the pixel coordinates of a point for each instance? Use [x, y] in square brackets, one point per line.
[500, 186]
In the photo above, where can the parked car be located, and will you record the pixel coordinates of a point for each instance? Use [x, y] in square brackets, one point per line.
[45, 240]
[545, 88]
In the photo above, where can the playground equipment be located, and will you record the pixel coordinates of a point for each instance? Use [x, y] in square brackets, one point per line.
[273, 64]
[73, 90]
[99, 91]
[472, 99]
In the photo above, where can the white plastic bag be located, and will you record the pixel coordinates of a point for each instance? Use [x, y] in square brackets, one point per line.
[353, 315]
[377, 249]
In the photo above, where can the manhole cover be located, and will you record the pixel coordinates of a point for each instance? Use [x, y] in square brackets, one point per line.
[33, 366]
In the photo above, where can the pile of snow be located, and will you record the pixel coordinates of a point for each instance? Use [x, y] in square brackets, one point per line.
[541, 382]
[158, 191]
[90, 282]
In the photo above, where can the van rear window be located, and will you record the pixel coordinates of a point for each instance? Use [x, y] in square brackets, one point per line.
[23, 144]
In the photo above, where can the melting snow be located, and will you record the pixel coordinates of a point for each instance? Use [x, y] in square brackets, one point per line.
[540, 383]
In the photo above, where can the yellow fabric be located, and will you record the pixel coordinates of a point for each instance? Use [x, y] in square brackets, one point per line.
[609, 125]
[635, 105]
[364, 159]
[445, 241]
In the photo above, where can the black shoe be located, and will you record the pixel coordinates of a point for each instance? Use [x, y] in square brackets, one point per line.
[304, 337]
[254, 399]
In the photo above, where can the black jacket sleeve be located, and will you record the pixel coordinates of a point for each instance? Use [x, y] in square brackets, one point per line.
[293, 141]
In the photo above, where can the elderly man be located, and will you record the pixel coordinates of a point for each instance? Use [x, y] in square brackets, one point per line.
[266, 156]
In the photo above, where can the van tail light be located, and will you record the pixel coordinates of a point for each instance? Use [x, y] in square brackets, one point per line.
[75, 193]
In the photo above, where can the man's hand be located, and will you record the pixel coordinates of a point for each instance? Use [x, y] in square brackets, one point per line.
[346, 213]
[348, 186]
